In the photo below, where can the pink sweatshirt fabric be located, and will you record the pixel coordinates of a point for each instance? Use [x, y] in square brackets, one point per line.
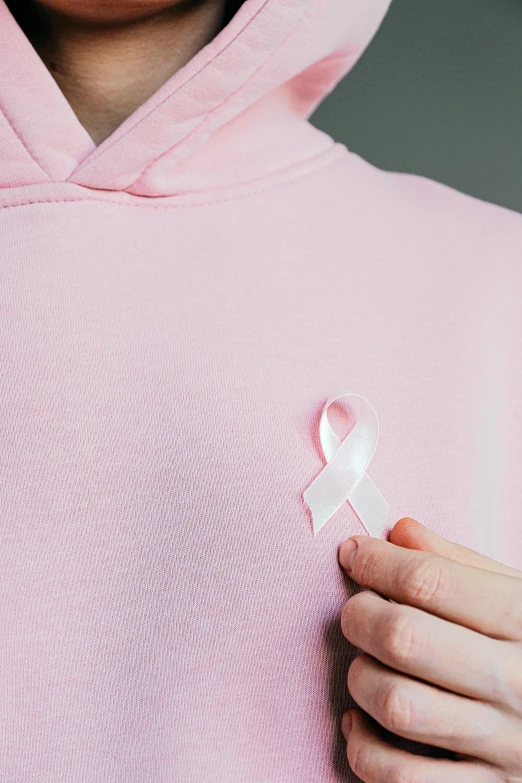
[176, 306]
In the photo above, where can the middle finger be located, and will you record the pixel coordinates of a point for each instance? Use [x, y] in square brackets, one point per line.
[423, 713]
[430, 648]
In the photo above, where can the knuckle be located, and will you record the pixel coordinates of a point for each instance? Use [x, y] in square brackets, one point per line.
[346, 616]
[515, 759]
[361, 758]
[366, 766]
[396, 709]
[398, 638]
[353, 614]
[509, 688]
[505, 676]
[401, 775]
[354, 671]
[425, 580]
[514, 613]
[366, 565]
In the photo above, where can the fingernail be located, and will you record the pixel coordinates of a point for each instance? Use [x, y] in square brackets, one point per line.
[347, 553]
[346, 724]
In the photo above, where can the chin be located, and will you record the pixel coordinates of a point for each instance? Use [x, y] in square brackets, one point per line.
[112, 11]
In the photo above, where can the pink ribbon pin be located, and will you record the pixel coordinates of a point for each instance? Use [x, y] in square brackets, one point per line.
[344, 476]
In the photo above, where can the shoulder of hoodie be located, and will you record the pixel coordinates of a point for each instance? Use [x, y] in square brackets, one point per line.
[427, 211]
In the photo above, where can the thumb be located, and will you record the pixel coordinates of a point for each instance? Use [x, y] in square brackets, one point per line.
[410, 534]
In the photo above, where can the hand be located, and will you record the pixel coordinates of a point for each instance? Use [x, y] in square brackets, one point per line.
[442, 666]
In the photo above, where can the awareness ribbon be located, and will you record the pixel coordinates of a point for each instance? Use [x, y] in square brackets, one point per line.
[344, 476]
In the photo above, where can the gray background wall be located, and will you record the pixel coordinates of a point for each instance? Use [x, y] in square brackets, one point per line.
[439, 93]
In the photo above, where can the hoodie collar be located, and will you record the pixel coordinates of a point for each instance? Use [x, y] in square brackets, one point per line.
[274, 59]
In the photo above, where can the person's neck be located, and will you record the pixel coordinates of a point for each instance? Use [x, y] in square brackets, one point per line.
[107, 72]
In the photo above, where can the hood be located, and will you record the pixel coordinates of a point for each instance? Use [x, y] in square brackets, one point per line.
[275, 60]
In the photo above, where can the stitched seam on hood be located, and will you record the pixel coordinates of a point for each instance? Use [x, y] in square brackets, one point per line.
[332, 154]
[12, 125]
[99, 151]
[230, 96]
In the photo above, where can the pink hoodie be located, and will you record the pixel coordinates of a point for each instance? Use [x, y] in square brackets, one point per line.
[176, 306]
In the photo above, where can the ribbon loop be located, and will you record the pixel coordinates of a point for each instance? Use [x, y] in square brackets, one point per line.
[344, 476]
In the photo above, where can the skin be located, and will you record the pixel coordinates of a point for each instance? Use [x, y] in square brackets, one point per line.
[442, 665]
[109, 56]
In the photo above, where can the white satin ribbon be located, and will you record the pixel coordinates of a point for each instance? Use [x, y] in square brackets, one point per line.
[344, 476]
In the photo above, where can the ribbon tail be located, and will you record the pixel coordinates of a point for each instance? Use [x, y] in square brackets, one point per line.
[370, 506]
[324, 497]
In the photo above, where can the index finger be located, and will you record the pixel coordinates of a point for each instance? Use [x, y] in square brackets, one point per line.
[482, 600]
[411, 534]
